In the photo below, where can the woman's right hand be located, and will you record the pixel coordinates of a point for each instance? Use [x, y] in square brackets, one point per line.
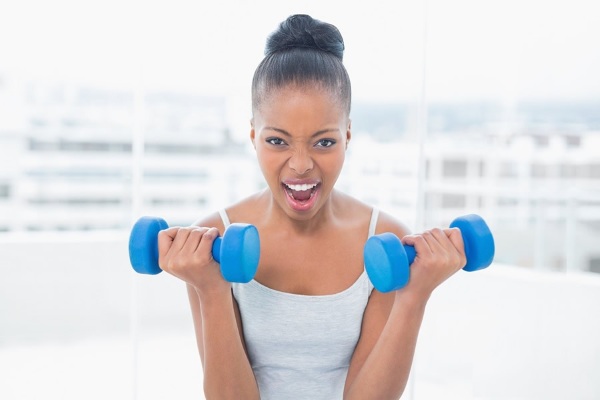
[187, 254]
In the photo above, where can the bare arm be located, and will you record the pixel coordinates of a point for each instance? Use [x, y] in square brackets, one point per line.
[227, 371]
[197, 319]
[382, 368]
[383, 357]
[185, 253]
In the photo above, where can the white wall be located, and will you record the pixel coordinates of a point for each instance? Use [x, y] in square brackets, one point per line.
[510, 333]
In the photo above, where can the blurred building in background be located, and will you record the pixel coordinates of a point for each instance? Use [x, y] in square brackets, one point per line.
[532, 171]
[67, 162]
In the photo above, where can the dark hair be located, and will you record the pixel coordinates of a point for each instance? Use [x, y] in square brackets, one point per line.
[303, 51]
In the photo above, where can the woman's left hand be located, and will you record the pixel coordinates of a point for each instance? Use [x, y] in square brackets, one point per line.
[439, 254]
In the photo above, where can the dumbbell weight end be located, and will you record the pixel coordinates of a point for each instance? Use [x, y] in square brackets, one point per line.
[386, 262]
[478, 241]
[143, 245]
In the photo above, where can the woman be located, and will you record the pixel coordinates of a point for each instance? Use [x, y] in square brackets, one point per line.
[310, 325]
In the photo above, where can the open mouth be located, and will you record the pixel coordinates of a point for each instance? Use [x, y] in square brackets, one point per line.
[301, 196]
[301, 192]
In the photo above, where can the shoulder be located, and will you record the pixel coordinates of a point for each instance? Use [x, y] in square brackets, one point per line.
[238, 212]
[211, 221]
[388, 223]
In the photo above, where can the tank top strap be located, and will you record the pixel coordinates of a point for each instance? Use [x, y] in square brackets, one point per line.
[372, 226]
[224, 217]
[373, 223]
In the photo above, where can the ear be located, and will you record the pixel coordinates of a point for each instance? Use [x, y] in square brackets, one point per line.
[252, 133]
[348, 132]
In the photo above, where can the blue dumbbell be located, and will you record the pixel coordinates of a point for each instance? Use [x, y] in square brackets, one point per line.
[237, 252]
[387, 261]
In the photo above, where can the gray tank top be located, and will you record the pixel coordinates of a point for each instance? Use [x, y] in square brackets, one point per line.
[300, 346]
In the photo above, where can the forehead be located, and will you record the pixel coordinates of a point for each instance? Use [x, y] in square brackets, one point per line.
[311, 102]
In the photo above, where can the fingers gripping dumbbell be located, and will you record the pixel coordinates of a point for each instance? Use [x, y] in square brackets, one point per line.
[387, 261]
[237, 252]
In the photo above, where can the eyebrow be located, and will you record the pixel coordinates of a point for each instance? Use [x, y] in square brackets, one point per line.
[286, 133]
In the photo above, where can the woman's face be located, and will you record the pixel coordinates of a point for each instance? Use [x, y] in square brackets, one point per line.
[300, 136]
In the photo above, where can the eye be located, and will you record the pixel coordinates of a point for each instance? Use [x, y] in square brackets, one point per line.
[275, 141]
[325, 143]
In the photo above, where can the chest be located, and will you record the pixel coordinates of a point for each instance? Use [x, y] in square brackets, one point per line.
[311, 266]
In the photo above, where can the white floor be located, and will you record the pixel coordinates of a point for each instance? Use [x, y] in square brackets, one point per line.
[167, 366]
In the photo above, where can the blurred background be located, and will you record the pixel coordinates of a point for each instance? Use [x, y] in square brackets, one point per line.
[116, 109]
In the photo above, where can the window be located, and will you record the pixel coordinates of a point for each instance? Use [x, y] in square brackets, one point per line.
[594, 264]
[455, 168]
[5, 191]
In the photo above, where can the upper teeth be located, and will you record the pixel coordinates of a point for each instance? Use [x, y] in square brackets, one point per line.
[302, 188]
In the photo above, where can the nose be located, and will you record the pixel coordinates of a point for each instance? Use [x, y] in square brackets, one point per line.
[300, 162]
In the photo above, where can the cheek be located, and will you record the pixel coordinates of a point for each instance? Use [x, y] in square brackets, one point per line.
[332, 163]
[269, 161]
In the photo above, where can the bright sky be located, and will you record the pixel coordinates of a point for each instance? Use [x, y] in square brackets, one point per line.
[498, 49]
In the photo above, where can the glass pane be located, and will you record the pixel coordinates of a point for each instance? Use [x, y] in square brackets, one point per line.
[65, 186]
[513, 112]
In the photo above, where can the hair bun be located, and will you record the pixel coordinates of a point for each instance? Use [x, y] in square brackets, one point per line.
[302, 31]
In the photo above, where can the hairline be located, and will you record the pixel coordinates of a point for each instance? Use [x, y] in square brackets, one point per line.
[263, 93]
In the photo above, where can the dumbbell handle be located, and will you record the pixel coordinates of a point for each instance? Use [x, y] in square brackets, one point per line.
[467, 223]
[140, 243]
[216, 249]
[411, 253]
